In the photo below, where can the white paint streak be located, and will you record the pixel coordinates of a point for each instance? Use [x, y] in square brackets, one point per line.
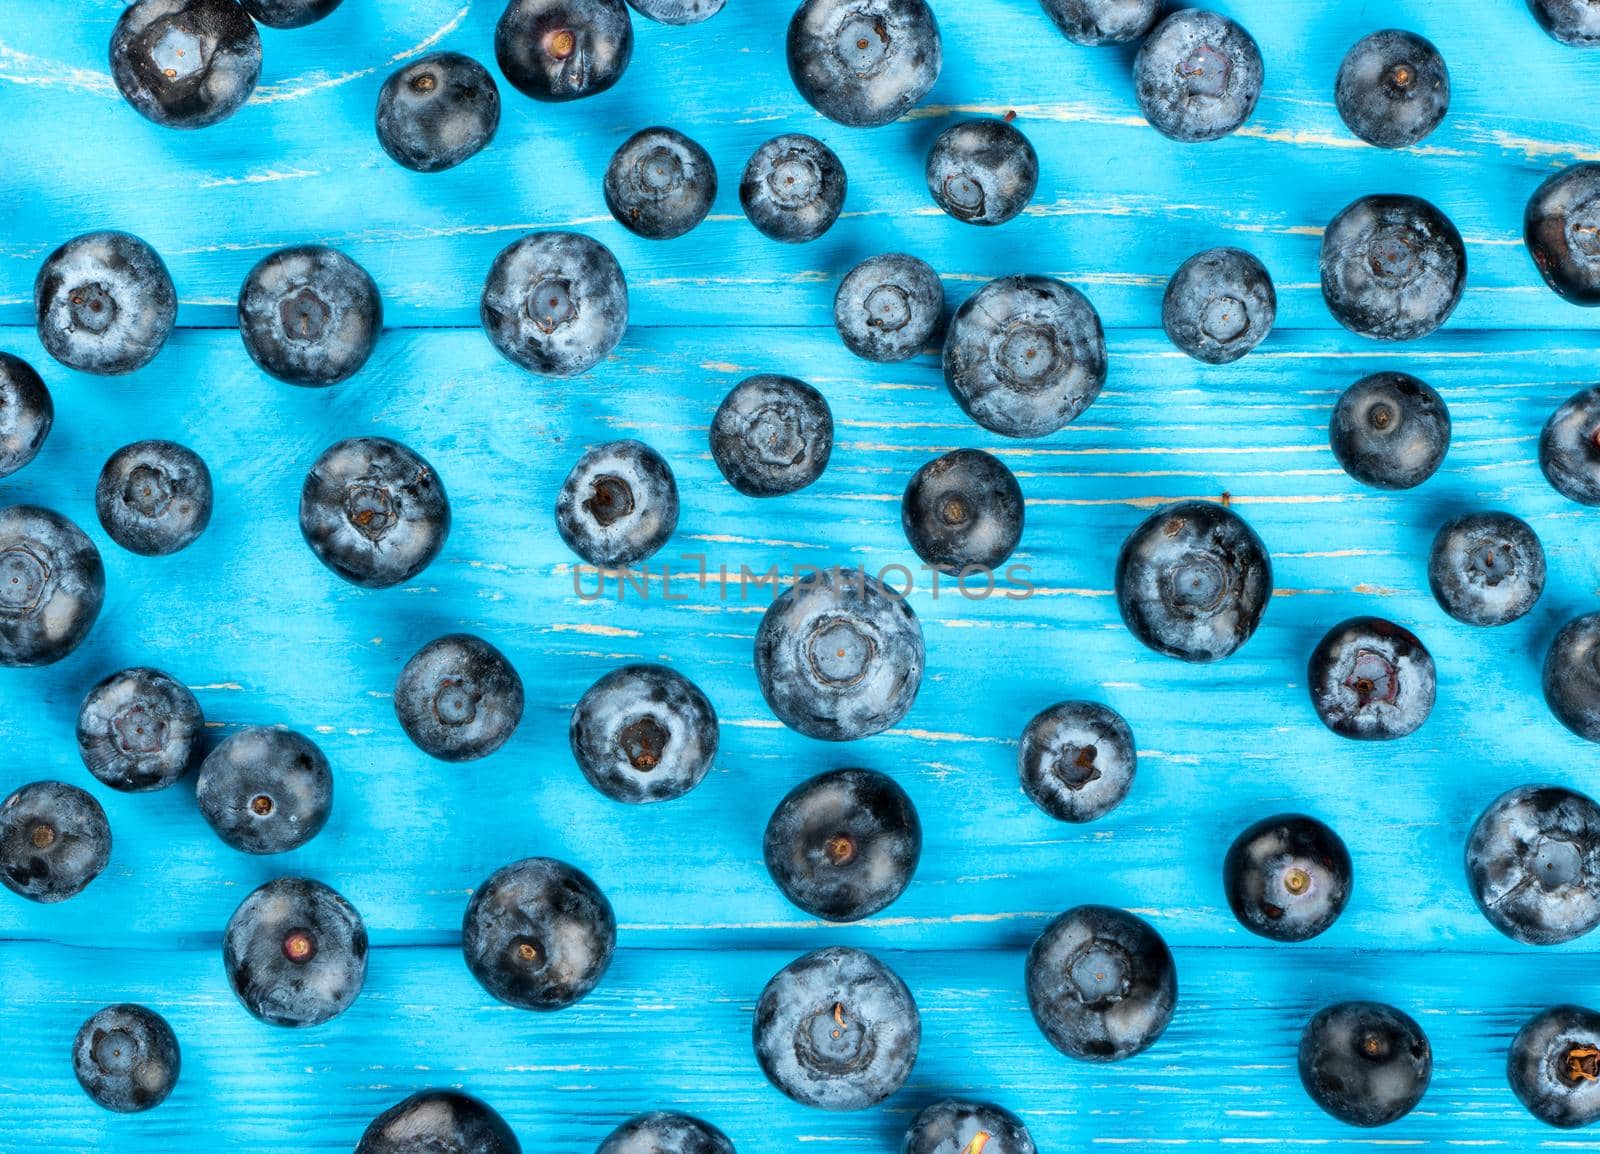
[302, 86]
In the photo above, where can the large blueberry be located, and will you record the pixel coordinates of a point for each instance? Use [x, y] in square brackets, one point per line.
[54, 841]
[954, 1126]
[1025, 356]
[185, 63]
[772, 435]
[793, 188]
[1101, 984]
[1562, 229]
[458, 698]
[1486, 568]
[265, 790]
[1193, 581]
[837, 1029]
[1393, 88]
[1219, 305]
[290, 13]
[1393, 267]
[555, 303]
[154, 497]
[1533, 863]
[1569, 447]
[618, 505]
[844, 844]
[139, 730]
[538, 934]
[1575, 22]
[563, 49]
[644, 733]
[1093, 22]
[104, 303]
[1287, 877]
[1371, 680]
[52, 584]
[374, 511]
[1076, 760]
[26, 413]
[1365, 1063]
[864, 62]
[1553, 1064]
[665, 1132]
[982, 171]
[1198, 76]
[963, 511]
[440, 1121]
[1390, 431]
[437, 112]
[888, 307]
[660, 184]
[295, 953]
[1572, 676]
[310, 315]
[126, 1058]
[838, 656]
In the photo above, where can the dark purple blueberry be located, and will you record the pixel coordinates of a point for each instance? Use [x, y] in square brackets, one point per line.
[888, 307]
[563, 49]
[1390, 431]
[1025, 356]
[104, 302]
[772, 435]
[139, 730]
[982, 171]
[953, 1126]
[290, 13]
[1101, 984]
[154, 497]
[555, 303]
[1076, 760]
[1486, 568]
[864, 63]
[185, 63]
[1219, 305]
[458, 698]
[1393, 267]
[310, 316]
[677, 11]
[1198, 76]
[374, 511]
[844, 844]
[1393, 88]
[295, 953]
[1371, 680]
[1095, 22]
[839, 656]
[665, 1131]
[437, 112]
[1287, 877]
[644, 733]
[265, 790]
[1574, 22]
[1533, 863]
[618, 505]
[1569, 448]
[1562, 228]
[1364, 1063]
[26, 413]
[1554, 1061]
[963, 511]
[1572, 676]
[538, 934]
[439, 1122]
[837, 1029]
[52, 584]
[793, 188]
[660, 184]
[1193, 581]
[126, 1058]
[54, 841]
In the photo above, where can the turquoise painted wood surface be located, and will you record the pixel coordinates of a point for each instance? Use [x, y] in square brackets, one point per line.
[264, 634]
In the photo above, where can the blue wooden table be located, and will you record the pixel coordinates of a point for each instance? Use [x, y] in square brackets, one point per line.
[264, 634]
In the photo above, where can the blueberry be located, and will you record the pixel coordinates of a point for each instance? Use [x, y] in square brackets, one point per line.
[1365, 1063]
[1025, 355]
[839, 656]
[154, 497]
[538, 934]
[1094, 22]
[26, 413]
[1575, 22]
[126, 1058]
[1393, 88]
[458, 698]
[864, 63]
[290, 13]
[951, 1126]
[1393, 267]
[1569, 448]
[982, 171]
[265, 790]
[1390, 431]
[837, 1029]
[563, 49]
[772, 435]
[660, 184]
[962, 512]
[1554, 1062]
[1198, 76]
[1219, 305]
[437, 112]
[295, 953]
[54, 841]
[439, 1120]
[1572, 676]
[1287, 877]
[310, 316]
[665, 1132]
[888, 307]
[644, 733]
[618, 505]
[843, 845]
[1486, 568]
[1076, 760]
[52, 584]
[793, 188]
[677, 11]
[139, 730]
[1562, 229]
[1533, 862]
[1193, 581]
[104, 303]
[555, 303]
[374, 511]
[1371, 680]
[1101, 984]
[185, 63]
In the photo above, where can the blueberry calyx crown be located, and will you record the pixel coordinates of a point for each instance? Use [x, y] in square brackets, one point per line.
[611, 500]
[93, 307]
[23, 577]
[1100, 972]
[304, 315]
[1076, 766]
[138, 730]
[1028, 355]
[778, 434]
[1373, 679]
[42, 835]
[148, 490]
[370, 507]
[644, 743]
[560, 43]
[833, 1042]
[659, 171]
[888, 308]
[551, 304]
[841, 652]
[456, 702]
[863, 43]
[299, 946]
[840, 849]
[529, 953]
[1205, 71]
[1579, 1064]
